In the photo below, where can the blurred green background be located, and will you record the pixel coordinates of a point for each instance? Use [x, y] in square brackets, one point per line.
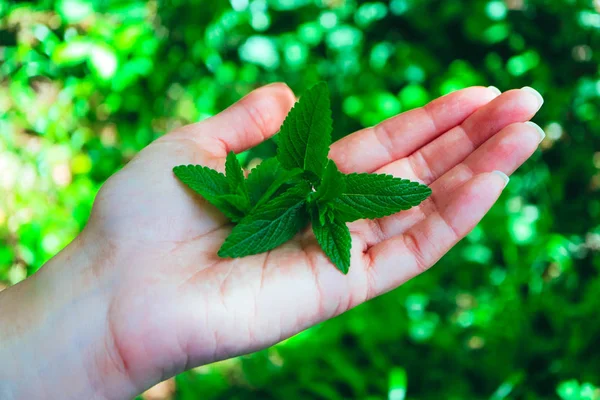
[511, 313]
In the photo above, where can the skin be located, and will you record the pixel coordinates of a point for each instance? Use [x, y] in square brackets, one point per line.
[140, 294]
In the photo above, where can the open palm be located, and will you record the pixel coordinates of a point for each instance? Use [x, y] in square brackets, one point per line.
[178, 305]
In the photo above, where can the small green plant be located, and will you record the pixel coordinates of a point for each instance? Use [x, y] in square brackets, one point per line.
[282, 194]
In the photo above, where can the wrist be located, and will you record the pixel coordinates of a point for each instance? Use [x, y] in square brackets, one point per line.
[55, 339]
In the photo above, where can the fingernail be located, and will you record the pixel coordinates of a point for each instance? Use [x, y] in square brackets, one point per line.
[538, 129]
[504, 177]
[536, 94]
[495, 90]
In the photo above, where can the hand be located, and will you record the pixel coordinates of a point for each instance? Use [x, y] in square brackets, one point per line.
[165, 302]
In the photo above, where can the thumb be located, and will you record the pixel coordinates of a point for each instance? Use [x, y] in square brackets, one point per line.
[251, 120]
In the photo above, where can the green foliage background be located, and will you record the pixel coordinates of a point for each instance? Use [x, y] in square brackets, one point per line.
[510, 313]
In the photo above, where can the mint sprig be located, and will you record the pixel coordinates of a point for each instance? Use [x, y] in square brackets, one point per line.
[301, 185]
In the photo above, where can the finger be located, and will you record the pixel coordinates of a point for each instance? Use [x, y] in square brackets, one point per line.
[504, 152]
[251, 120]
[399, 136]
[436, 158]
[400, 258]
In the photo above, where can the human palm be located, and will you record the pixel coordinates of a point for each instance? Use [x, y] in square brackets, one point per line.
[178, 305]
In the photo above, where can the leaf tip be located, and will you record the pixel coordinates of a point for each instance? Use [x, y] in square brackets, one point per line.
[320, 84]
[223, 252]
[344, 269]
[426, 190]
[178, 170]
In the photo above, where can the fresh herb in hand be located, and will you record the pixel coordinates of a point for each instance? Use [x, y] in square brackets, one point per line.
[282, 194]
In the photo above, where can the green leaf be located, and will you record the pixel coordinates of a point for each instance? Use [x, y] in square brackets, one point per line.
[261, 177]
[305, 135]
[332, 184]
[235, 174]
[270, 225]
[213, 186]
[334, 238]
[202, 180]
[231, 202]
[376, 196]
[268, 177]
[237, 181]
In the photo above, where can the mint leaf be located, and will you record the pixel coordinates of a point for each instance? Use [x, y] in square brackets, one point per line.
[334, 238]
[270, 225]
[213, 186]
[261, 177]
[202, 180]
[332, 183]
[235, 174]
[237, 202]
[265, 179]
[305, 135]
[376, 196]
[237, 181]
